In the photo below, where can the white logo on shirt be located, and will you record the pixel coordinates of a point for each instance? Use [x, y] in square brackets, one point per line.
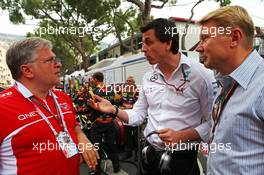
[6, 94]
[26, 116]
[64, 106]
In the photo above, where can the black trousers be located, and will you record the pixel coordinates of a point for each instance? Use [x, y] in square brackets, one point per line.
[105, 134]
[181, 163]
[131, 137]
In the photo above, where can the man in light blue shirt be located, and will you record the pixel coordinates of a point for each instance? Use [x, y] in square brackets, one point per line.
[237, 136]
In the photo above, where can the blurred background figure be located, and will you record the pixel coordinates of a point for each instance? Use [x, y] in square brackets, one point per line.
[260, 36]
[129, 94]
[1, 89]
[129, 97]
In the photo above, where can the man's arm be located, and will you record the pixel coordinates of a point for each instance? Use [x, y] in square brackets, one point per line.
[208, 91]
[105, 106]
[86, 148]
[134, 116]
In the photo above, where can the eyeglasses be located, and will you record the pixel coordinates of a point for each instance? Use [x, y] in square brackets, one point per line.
[51, 60]
[129, 81]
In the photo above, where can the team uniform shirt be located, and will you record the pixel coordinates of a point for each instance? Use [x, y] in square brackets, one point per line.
[103, 91]
[27, 143]
[129, 95]
[168, 108]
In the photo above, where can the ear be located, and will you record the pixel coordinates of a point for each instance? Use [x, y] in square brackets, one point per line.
[26, 71]
[169, 43]
[236, 37]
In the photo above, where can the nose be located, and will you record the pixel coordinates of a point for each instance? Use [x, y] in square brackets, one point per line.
[199, 47]
[143, 48]
[58, 64]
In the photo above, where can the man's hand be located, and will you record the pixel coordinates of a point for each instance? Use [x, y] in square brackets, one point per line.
[170, 136]
[105, 106]
[87, 149]
[102, 105]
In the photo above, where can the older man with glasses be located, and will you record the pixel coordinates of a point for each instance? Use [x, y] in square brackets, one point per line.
[38, 129]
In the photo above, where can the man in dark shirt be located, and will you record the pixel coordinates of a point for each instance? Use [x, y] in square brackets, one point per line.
[103, 129]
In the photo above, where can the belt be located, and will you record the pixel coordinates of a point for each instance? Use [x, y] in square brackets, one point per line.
[105, 120]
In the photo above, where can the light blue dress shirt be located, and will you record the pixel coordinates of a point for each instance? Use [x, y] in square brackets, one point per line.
[238, 144]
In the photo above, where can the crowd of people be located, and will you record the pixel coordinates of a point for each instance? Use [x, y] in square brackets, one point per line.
[181, 100]
[103, 128]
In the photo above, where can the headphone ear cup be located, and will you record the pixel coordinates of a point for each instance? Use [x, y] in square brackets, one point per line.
[147, 155]
[165, 160]
[144, 155]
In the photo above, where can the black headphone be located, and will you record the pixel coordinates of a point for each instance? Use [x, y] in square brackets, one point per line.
[165, 161]
[148, 157]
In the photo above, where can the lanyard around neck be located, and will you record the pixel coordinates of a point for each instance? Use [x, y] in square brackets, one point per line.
[220, 106]
[60, 116]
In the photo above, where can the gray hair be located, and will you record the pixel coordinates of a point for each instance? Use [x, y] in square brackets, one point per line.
[23, 52]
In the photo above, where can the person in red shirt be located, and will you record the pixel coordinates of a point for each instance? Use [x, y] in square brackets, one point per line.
[38, 129]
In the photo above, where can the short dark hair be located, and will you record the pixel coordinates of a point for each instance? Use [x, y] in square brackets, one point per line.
[165, 30]
[99, 76]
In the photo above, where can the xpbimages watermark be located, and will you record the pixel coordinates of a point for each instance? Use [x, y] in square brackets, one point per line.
[195, 30]
[213, 147]
[51, 146]
[180, 29]
[51, 30]
[147, 89]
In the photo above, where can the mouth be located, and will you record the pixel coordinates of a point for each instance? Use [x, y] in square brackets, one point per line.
[203, 58]
[58, 73]
[148, 57]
